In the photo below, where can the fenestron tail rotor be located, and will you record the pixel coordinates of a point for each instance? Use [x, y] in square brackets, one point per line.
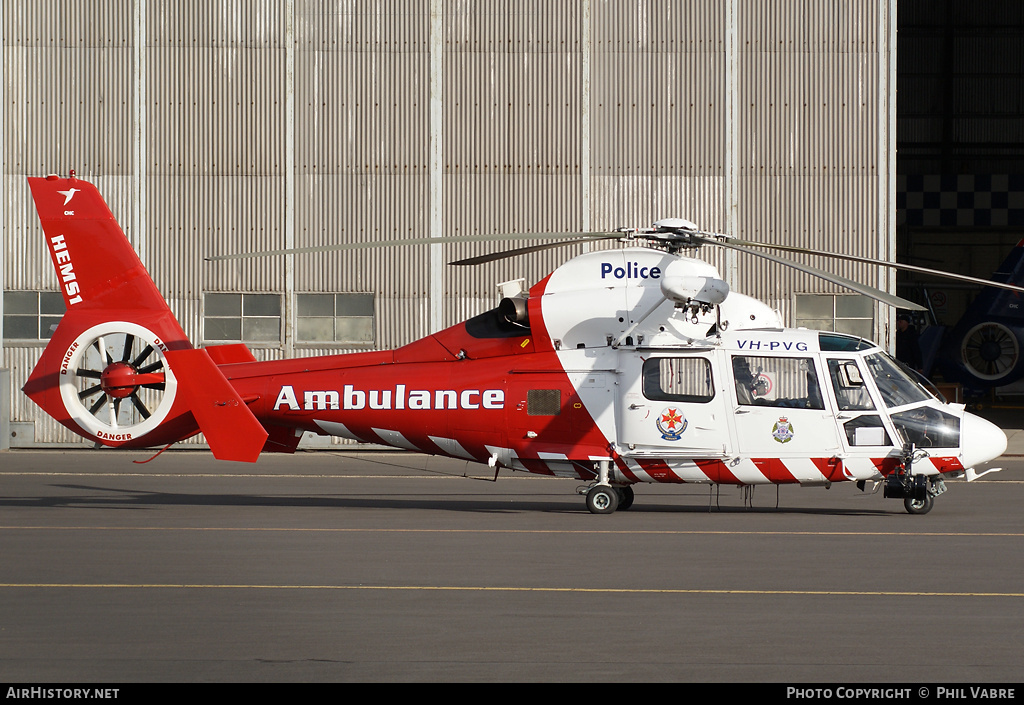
[118, 385]
[105, 383]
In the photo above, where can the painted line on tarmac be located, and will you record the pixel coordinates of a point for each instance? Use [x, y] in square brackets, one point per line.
[629, 532]
[479, 588]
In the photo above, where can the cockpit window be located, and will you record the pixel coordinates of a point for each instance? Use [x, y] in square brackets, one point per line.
[837, 342]
[790, 382]
[685, 379]
[895, 386]
[926, 427]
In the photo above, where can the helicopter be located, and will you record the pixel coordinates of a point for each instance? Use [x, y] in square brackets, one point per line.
[622, 366]
[982, 350]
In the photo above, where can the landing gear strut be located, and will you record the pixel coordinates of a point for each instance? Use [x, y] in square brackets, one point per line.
[604, 498]
[918, 492]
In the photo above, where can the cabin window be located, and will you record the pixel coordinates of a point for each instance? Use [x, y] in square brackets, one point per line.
[242, 318]
[838, 313]
[543, 402]
[789, 382]
[682, 379]
[335, 318]
[31, 315]
[848, 384]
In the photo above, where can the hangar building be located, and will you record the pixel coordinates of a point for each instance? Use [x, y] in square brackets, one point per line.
[236, 126]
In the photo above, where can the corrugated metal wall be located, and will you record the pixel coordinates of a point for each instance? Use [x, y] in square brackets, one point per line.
[808, 147]
[264, 124]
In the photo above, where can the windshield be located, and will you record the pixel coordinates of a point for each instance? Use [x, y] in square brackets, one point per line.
[926, 427]
[895, 386]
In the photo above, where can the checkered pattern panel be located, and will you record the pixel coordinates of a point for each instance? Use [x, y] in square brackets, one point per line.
[994, 200]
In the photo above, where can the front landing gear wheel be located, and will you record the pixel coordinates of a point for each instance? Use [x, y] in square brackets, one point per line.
[602, 499]
[919, 506]
[625, 493]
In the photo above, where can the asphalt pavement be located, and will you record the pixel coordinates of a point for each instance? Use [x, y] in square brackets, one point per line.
[332, 567]
[354, 566]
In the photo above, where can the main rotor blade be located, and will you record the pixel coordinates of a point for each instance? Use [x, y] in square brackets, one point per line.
[494, 256]
[871, 292]
[882, 263]
[497, 237]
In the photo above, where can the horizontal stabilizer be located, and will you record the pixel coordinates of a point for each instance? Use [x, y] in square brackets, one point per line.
[230, 428]
[230, 354]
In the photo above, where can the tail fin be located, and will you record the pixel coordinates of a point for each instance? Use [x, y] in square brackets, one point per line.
[106, 373]
[1001, 304]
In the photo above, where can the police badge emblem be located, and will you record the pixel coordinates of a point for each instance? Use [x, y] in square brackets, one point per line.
[782, 431]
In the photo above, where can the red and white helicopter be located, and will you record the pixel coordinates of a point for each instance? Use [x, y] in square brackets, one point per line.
[622, 366]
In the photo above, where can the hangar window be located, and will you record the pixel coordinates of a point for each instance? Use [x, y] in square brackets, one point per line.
[31, 315]
[242, 318]
[838, 313]
[335, 318]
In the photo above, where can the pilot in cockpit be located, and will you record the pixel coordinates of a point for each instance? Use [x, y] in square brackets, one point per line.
[744, 378]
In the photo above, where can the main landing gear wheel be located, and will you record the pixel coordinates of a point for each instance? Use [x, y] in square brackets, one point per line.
[602, 499]
[117, 384]
[625, 493]
[919, 506]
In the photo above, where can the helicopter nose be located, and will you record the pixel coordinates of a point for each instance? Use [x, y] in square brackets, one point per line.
[981, 440]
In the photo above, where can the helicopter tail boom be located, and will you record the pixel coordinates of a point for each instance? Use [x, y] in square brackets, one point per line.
[119, 369]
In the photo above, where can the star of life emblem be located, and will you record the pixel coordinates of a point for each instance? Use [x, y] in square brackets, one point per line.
[782, 431]
[671, 423]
